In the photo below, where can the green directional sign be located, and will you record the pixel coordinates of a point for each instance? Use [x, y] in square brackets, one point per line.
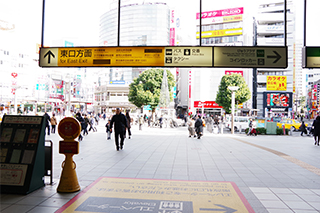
[312, 57]
[250, 57]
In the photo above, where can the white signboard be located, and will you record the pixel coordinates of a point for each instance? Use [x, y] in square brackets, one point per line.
[250, 57]
[188, 57]
[13, 174]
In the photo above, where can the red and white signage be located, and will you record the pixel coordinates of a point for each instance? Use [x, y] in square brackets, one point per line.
[230, 72]
[14, 74]
[206, 104]
[220, 13]
[172, 36]
[172, 30]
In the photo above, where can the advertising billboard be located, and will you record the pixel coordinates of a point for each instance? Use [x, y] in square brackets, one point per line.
[277, 83]
[277, 101]
[221, 13]
[220, 33]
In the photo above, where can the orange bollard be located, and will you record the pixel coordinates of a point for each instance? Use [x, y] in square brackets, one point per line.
[69, 128]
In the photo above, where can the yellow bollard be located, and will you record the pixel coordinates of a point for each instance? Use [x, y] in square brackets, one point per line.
[69, 129]
[68, 179]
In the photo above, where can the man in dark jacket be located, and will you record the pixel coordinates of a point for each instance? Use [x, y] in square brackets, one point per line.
[199, 126]
[47, 121]
[81, 121]
[120, 127]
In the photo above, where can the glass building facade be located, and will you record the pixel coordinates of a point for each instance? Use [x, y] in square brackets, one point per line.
[140, 25]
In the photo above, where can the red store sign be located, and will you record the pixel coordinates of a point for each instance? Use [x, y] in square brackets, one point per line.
[219, 13]
[206, 104]
[230, 72]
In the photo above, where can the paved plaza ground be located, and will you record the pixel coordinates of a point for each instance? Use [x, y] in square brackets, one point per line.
[273, 173]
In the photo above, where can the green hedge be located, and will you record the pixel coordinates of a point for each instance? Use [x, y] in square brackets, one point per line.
[263, 131]
[280, 131]
[260, 131]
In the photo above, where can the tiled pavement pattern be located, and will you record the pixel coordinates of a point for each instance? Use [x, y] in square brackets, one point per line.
[269, 182]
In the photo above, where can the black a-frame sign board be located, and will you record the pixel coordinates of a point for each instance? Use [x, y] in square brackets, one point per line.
[22, 154]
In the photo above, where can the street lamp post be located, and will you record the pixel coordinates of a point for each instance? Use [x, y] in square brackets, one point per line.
[233, 90]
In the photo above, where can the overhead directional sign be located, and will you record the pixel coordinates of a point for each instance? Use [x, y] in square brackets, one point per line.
[250, 57]
[170, 56]
[312, 57]
[126, 57]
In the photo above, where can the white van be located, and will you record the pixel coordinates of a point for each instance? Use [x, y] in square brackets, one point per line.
[240, 122]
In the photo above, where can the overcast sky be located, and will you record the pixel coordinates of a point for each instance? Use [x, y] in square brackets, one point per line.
[79, 19]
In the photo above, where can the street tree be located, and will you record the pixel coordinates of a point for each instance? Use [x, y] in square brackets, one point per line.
[224, 94]
[145, 90]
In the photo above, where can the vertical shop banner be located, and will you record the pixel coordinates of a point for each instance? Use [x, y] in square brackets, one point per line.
[277, 83]
[57, 92]
[172, 36]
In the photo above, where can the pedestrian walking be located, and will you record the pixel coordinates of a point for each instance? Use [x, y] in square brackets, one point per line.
[120, 124]
[316, 133]
[85, 125]
[198, 126]
[81, 121]
[303, 128]
[128, 123]
[91, 124]
[216, 120]
[141, 120]
[108, 130]
[96, 118]
[161, 121]
[190, 124]
[250, 126]
[47, 121]
[149, 120]
[53, 122]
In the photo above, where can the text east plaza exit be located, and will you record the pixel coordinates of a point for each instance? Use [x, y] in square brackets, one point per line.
[169, 56]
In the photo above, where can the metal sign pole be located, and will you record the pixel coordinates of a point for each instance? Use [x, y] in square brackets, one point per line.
[119, 5]
[43, 15]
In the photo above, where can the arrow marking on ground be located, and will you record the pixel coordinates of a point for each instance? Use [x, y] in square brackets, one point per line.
[277, 56]
[224, 209]
[49, 54]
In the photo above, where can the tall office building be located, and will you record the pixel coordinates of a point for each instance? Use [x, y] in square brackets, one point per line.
[142, 23]
[225, 27]
[271, 32]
